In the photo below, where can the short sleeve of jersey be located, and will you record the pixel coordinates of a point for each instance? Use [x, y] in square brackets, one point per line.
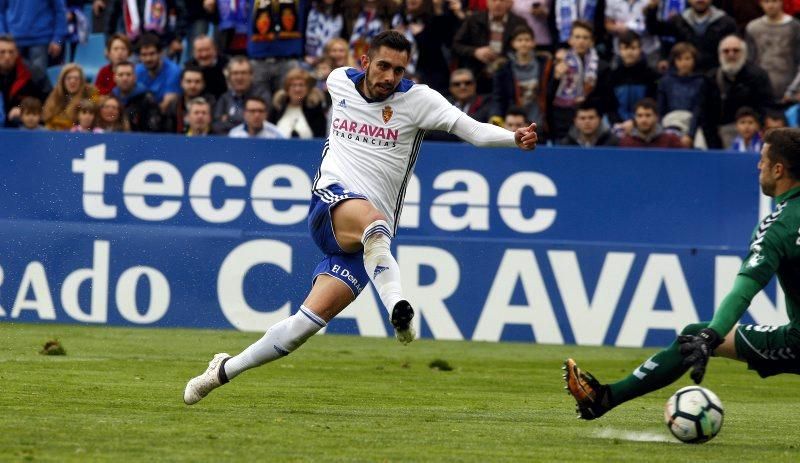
[766, 251]
[432, 111]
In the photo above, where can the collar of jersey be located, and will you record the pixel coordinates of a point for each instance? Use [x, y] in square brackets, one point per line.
[787, 195]
[357, 76]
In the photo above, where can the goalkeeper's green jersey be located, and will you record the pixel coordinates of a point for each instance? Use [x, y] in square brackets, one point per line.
[774, 249]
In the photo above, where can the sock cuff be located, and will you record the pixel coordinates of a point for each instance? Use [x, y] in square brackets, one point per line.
[376, 227]
[312, 316]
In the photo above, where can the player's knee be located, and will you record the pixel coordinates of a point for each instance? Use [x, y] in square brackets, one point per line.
[377, 234]
[693, 328]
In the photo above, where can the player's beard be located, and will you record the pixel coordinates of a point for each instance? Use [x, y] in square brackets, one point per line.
[767, 184]
[374, 88]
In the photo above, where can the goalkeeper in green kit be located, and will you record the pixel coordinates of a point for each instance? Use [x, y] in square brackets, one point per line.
[769, 350]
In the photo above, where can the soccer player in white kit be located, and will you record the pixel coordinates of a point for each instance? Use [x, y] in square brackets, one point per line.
[377, 124]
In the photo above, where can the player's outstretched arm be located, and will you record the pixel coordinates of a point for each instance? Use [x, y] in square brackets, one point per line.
[482, 134]
[696, 349]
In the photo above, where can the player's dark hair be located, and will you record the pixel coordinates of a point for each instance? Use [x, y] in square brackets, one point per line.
[150, 40]
[389, 39]
[647, 103]
[747, 111]
[629, 37]
[784, 147]
[521, 29]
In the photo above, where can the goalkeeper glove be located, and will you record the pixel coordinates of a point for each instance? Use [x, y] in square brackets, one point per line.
[697, 349]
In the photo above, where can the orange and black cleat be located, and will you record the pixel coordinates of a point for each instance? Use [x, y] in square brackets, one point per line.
[590, 396]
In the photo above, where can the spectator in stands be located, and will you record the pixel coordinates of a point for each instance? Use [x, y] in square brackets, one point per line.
[38, 27]
[255, 123]
[589, 129]
[138, 104]
[774, 120]
[365, 22]
[647, 132]
[200, 15]
[299, 108]
[773, 42]
[681, 92]
[702, 25]
[564, 13]
[535, 13]
[325, 22]
[515, 118]
[522, 81]
[199, 118]
[165, 19]
[483, 41]
[464, 95]
[735, 83]
[159, 75]
[742, 11]
[175, 118]
[229, 110]
[748, 127]
[630, 81]
[234, 22]
[86, 118]
[429, 29]
[60, 109]
[337, 52]
[111, 117]
[275, 41]
[206, 57]
[623, 17]
[118, 49]
[578, 75]
[18, 80]
[31, 114]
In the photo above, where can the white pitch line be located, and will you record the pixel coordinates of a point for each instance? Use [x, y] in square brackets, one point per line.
[609, 433]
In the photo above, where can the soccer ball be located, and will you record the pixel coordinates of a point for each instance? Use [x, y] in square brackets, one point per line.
[693, 414]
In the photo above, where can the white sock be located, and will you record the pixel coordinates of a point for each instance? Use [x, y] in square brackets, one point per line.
[279, 341]
[380, 264]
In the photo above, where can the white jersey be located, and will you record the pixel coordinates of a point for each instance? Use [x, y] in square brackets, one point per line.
[372, 147]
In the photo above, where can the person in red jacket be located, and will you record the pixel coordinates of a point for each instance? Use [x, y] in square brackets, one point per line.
[647, 132]
[118, 50]
[18, 80]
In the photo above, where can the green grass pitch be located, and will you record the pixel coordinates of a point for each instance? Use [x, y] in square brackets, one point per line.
[117, 396]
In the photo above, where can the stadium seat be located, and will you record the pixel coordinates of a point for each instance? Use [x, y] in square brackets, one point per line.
[53, 72]
[91, 55]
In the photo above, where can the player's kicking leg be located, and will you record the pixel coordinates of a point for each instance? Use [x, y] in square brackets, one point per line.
[327, 298]
[359, 225]
[594, 399]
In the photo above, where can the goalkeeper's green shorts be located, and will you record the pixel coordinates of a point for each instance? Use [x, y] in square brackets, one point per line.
[769, 350]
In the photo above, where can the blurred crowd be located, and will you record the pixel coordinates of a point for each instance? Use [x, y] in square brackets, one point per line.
[633, 73]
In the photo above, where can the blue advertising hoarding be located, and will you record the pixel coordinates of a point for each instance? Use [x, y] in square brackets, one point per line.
[617, 247]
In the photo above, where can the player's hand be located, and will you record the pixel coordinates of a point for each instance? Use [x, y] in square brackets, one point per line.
[526, 137]
[697, 349]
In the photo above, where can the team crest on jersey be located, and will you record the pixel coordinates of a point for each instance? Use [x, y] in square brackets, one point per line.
[387, 114]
